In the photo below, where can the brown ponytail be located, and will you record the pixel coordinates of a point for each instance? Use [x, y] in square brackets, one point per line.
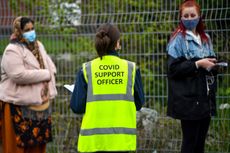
[106, 39]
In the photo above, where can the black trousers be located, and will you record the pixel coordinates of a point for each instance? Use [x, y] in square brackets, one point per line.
[194, 134]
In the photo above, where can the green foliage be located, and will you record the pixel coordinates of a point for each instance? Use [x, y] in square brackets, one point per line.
[67, 44]
[3, 43]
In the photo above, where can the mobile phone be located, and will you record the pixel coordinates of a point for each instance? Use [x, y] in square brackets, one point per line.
[224, 64]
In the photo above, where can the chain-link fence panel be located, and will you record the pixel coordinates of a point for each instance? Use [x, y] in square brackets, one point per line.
[67, 30]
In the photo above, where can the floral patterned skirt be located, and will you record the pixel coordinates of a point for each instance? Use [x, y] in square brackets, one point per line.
[31, 127]
[8, 138]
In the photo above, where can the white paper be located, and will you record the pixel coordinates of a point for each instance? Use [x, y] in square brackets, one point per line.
[69, 87]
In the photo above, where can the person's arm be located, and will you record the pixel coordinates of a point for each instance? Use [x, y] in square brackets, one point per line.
[139, 98]
[79, 95]
[178, 65]
[51, 64]
[14, 68]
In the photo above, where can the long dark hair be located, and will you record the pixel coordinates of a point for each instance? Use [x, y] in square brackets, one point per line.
[24, 21]
[200, 26]
[106, 39]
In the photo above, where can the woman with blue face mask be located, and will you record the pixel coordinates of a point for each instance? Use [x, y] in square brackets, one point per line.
[191, 78]
[27, 87]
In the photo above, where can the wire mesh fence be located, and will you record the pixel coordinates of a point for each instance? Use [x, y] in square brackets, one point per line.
[67, 30]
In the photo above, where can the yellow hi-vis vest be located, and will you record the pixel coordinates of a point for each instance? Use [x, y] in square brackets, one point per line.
[109, 122]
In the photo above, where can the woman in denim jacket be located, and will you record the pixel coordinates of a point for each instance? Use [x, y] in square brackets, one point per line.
[191, 78]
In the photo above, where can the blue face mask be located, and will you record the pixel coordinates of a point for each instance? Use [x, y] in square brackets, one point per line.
[190, 24]
[29, 36]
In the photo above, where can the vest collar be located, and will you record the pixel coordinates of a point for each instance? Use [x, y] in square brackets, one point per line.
[113, 52]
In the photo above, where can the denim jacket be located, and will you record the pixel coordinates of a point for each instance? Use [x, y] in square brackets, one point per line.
[188, 96]
[189, 47]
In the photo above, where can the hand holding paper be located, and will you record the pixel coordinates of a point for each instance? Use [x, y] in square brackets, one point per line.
[69, 87]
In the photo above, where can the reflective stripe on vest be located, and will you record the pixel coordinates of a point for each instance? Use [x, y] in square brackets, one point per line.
[108, 131]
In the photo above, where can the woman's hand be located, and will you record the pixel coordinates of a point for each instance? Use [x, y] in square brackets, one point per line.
[206, 63]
